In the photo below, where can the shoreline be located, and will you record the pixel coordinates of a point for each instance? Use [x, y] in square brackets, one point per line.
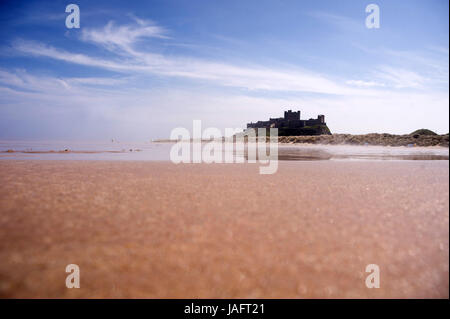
[161, 151]
[372, 139]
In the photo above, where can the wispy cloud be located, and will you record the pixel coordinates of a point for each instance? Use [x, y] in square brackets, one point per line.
[122, 42]
[132, 111]
[427, 68]
[361, 83]
[123, 37]
[389, 88]
[400, 78]
[339, 22]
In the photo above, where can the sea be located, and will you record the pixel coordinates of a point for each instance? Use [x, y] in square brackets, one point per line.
[160, 151]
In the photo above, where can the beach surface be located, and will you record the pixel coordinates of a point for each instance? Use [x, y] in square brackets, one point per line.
[155, 229]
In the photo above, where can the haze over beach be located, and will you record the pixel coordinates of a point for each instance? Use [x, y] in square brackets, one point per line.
[113, 160]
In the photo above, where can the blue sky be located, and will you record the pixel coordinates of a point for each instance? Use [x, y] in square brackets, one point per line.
[135, 70]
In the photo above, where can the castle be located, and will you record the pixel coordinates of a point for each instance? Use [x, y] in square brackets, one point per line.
[291, 120]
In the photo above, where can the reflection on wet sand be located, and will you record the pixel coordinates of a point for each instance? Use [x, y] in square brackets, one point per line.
[411, 157]
[317, 154]
[161, 152]
[299, 155]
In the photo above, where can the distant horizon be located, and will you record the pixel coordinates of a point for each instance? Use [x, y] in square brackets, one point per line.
[135, 71]
[156, 139]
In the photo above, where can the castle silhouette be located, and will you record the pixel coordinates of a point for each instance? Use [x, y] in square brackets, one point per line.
[290, 120]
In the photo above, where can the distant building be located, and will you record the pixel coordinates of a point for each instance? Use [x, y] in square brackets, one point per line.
[290, 120]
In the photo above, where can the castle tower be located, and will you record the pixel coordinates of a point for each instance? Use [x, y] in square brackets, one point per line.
[289, 115]
[321, 119]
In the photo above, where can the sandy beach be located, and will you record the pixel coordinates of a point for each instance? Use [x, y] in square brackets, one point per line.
[159, 230]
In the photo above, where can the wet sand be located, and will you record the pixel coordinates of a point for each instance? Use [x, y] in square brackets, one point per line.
[159, 230]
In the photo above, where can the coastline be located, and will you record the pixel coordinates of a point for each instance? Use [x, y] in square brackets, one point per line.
[372, 139]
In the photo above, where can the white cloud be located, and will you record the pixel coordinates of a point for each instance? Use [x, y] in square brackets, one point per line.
[141, 114]
[361, 83]
[400, 78]
[123, 37]
[248, 77]
[122, 40]
[373, 102]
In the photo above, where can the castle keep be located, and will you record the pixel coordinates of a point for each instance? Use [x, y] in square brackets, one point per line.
[291, 120]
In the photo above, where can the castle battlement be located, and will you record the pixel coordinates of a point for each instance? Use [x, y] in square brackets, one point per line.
[290, 120]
